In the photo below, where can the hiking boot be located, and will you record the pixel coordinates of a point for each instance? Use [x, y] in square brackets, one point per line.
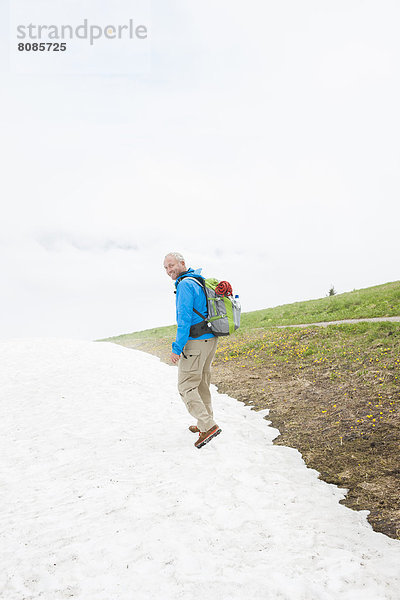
[194, 429]
[206, 436]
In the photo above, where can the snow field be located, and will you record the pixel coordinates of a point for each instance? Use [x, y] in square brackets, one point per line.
[104, 496]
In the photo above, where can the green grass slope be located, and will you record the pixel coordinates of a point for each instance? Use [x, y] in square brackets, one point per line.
[378, 301]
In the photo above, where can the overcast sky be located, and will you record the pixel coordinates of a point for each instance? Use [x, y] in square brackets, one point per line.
[262, 143]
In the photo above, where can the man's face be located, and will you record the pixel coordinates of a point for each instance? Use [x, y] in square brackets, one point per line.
[173, 267]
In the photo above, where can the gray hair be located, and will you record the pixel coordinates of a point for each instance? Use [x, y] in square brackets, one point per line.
[177, 255]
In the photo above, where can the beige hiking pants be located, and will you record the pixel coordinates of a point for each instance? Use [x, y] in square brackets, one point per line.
[194, 377]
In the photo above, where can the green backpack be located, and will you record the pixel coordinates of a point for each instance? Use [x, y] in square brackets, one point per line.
[223, 312]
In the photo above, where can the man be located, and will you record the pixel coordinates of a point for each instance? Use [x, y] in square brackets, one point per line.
[194, 347]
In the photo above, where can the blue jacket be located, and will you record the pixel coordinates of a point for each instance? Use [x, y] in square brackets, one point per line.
[189, 295]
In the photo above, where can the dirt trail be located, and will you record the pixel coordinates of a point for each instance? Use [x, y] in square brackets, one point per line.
[343, 321]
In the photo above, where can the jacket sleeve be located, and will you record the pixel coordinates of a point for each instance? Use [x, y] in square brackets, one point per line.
[184, 314]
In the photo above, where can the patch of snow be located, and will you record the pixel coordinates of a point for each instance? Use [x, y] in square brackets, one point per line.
[104, 496]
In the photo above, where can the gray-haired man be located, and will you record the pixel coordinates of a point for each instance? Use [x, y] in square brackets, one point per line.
[194, 347]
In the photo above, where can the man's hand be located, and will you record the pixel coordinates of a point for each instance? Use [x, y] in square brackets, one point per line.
[174, 358]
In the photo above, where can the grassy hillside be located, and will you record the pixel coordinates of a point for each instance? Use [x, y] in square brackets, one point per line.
[378, 301]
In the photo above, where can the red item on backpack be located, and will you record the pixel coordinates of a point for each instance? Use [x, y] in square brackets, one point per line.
[224, 288]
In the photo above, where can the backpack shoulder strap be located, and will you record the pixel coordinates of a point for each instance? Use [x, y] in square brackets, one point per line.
[197, 279]
[201, 283]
